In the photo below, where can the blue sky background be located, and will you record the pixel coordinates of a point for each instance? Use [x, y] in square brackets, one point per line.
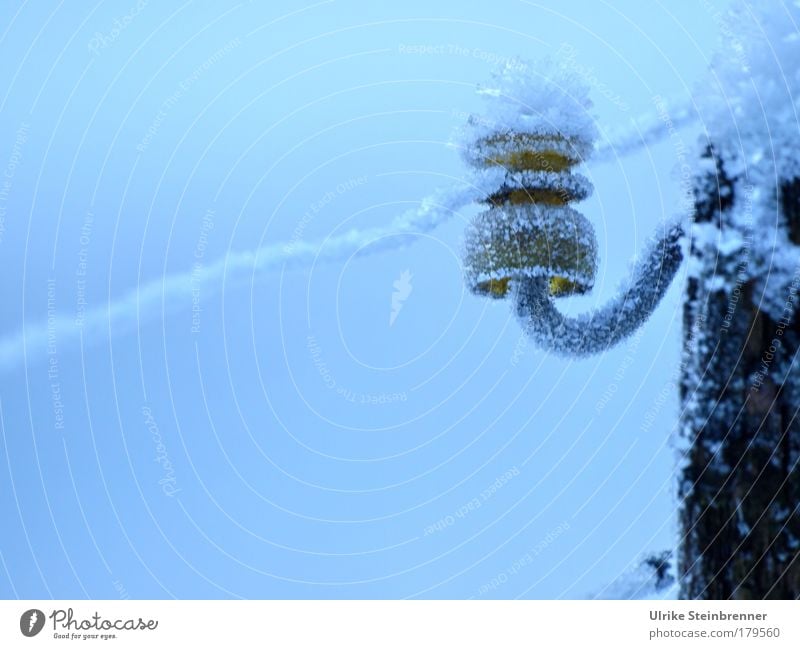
[285, 488]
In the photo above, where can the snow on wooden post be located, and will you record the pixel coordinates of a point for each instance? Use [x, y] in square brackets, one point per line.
[740, 389]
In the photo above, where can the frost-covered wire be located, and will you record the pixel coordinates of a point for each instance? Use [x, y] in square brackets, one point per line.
[646, 130]
[154, 298]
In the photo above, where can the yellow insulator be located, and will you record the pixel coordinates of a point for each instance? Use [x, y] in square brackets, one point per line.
[523, 151]
[562, 286]
[530, 195]
[529, 229]
[520, 241]
[496, 288]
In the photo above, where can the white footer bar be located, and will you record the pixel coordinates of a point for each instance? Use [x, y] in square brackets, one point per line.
[402, 624]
